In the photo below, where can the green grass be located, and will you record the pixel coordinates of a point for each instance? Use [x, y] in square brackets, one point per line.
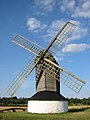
[80, 114]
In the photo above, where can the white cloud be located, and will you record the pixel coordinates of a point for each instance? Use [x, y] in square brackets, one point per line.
[67, 4]
[76, 8]
[54, 27]
[75, 48]
[35, 25]
[45, 4]
[83, 10]
[79, 33]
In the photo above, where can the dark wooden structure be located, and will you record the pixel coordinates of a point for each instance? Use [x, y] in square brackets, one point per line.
[12, 109]
[44, 81]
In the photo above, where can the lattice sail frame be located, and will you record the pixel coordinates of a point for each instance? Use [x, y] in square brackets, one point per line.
[61, 37]
[20, 78]
[27, 44]
[66, 77]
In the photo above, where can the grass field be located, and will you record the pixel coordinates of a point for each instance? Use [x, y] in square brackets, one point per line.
[75, 113]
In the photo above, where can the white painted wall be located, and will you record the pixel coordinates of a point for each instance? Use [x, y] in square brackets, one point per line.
[35, 106]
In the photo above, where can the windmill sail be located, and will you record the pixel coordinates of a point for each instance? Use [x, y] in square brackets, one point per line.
[27, 44]
[66, 77]
[20, 78]
[62, 37]
[47, 65]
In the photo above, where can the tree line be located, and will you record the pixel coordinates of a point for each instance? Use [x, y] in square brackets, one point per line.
[77, 101]
[14, 101]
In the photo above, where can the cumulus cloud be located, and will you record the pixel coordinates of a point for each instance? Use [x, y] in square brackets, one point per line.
[76, 9]
[67, 4]
[45, 4]
[35, 25]
[79, 33]
[54, 27]
[75, 48]
[82, 10]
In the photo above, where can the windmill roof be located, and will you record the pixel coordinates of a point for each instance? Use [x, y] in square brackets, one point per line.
[48, 96]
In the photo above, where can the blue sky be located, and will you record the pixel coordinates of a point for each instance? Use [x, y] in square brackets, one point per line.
[39, 21]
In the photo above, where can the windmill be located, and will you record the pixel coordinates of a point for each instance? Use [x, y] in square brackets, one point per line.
[48, 74]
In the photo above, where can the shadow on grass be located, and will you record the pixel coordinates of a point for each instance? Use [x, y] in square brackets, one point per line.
[78, 109]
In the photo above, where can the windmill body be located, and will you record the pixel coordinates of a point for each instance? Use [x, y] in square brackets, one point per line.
[44, 81]
[48, 74]
[47, 98]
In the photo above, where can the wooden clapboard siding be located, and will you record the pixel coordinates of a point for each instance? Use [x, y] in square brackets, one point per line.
[46, 82]
[40, 84]
[50, 83]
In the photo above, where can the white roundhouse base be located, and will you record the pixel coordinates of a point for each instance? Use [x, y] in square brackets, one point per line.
[36, 106]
